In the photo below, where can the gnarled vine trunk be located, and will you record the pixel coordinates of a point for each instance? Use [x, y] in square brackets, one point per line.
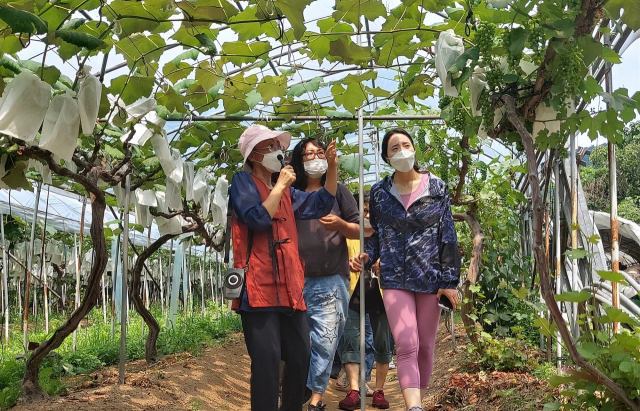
[151, 351]
[31, 390]
[471, 218]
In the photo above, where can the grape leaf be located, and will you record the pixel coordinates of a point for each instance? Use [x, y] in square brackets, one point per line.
[351, 11]
[294, 11]
[22, 21]
[241, 52]
[299, 89]
[80, 39]
[137, 87]
[207, 43]
[351, 164]
[253, 98]
[271, 87]
[574, 296]
[631, 15]
[350, 52]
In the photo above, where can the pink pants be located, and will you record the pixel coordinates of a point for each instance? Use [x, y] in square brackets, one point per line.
[413, 318]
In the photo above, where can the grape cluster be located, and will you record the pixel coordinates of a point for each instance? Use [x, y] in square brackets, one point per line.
[459, 119]
[536, 41]
[438, 145]
[444, 102]
[494, 79]
[485, 35]
[474, 3]
[570, 71]
[513, 59]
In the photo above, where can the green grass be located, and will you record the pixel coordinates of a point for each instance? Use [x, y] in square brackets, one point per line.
[96, 347]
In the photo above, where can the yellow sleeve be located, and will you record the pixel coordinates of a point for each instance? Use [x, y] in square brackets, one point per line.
[353, 247]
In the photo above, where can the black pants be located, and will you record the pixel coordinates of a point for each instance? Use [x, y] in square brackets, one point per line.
[272, 336]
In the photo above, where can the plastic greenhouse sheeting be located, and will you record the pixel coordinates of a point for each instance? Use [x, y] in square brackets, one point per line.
[64, 212]
[627, 230]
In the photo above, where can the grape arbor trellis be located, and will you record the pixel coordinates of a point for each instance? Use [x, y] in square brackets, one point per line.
[503, 78]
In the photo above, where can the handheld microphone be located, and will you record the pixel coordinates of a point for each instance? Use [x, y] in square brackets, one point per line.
[281, 159]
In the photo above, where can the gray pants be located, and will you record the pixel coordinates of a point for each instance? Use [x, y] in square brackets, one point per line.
[382, 340]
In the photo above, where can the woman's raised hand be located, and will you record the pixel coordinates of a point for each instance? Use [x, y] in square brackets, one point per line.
[331, 154]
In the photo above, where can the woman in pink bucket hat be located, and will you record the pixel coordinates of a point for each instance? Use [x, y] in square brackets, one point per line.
[265, 244]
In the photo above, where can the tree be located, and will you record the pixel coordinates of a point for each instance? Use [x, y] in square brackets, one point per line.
[596, 176]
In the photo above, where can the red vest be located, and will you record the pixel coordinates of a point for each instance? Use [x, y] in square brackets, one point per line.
[266, 288]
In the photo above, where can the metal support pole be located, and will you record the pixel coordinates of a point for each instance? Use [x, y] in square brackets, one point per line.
[125, 273]
[363, 382]
[5, 282]
[574, 232]
[613, 198]
[43, 274]
[77, 296]
[558, 255]
[28, 268]
[221, 118]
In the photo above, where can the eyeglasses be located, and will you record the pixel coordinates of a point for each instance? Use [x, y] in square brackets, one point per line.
[271, 147]
[311, 155]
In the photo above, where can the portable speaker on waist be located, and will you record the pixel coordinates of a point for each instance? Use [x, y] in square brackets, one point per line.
[233, 281]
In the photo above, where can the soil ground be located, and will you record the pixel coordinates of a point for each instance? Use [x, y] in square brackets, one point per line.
[218, 379]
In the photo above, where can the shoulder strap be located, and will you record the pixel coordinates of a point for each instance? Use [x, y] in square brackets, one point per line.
[227, 234]
[227, 242]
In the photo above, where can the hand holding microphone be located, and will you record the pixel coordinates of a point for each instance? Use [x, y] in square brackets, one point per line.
[281, 160]
[287, 177]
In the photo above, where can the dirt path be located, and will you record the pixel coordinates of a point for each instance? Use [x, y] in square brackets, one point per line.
[217, 379]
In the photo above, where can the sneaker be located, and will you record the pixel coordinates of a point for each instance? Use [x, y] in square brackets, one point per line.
[351, 402]
[342, 383]
[320, 406]
[392, 366]
[379, 401]
[415, 409]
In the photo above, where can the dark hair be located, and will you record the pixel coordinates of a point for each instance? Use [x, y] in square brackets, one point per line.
[366, 197]
[298, 164]
[385, 144]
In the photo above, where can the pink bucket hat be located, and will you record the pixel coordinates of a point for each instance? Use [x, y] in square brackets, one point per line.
[256, 134]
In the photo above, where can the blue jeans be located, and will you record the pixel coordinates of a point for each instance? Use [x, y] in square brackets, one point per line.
[369, 351]
[327, 300]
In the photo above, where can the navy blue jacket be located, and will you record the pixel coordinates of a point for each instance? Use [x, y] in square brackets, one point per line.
[418, 247]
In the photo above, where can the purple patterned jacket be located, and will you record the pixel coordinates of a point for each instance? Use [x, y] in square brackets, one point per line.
[418, 247]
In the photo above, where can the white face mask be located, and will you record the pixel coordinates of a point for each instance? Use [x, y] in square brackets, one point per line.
[270, 161]
[367, 223]
[403, 161]
[316, 167]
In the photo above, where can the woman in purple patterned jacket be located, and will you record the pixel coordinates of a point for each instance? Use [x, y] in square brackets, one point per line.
[415, 239]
